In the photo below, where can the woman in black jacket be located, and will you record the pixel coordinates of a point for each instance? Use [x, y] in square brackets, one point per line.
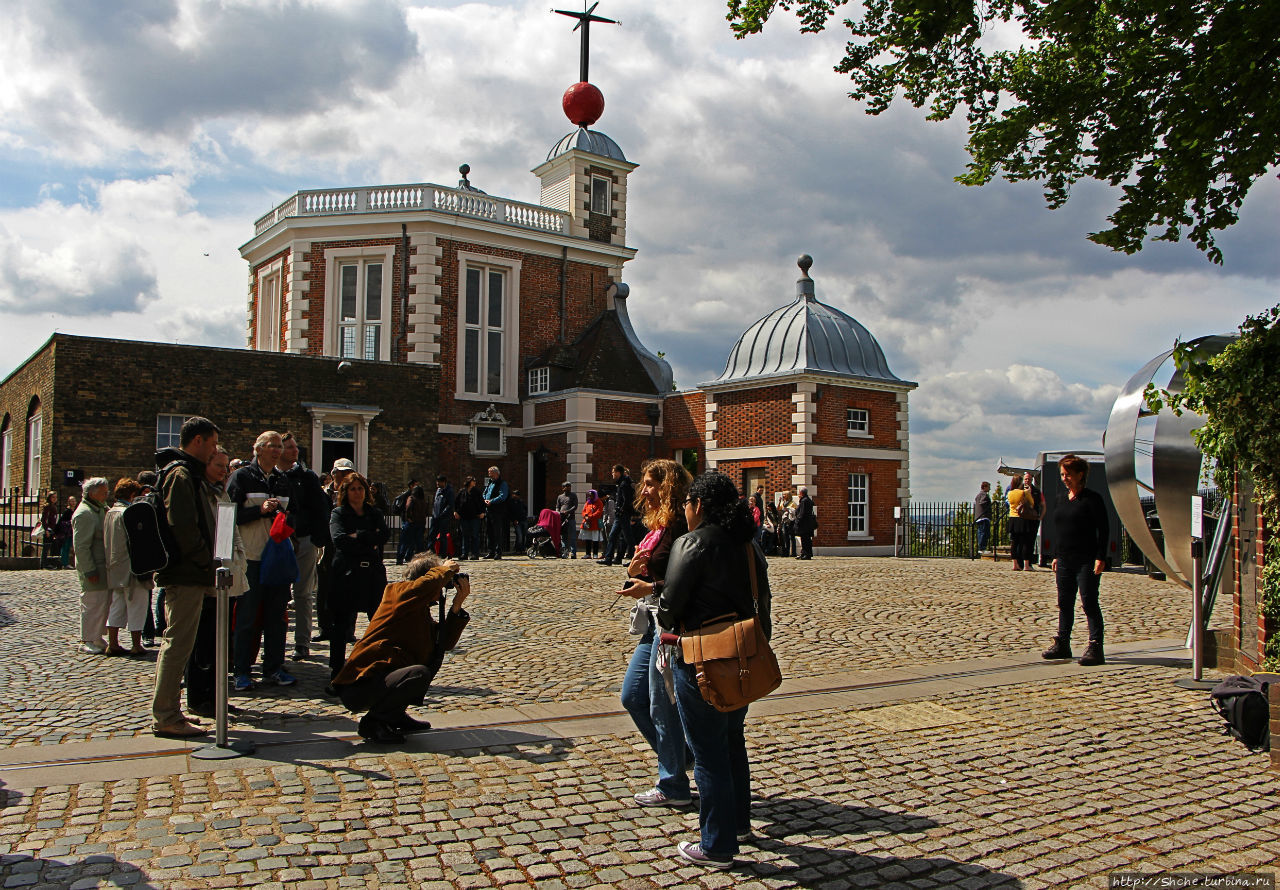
[358, 530]
[467, 509]
[1081, 533]
[709, 577]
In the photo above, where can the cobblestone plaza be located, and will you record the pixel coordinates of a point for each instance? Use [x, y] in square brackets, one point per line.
[919, 741]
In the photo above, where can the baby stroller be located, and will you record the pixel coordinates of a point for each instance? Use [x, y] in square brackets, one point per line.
[544, 536]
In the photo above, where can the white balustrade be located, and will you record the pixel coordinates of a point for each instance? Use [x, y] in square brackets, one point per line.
[390, 198]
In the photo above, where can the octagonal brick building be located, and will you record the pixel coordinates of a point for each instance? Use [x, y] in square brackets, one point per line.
[807, 399]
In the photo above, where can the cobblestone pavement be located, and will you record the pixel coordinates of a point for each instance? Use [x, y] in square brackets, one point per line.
[1047, 783]
[1052, 784]
[552, 630]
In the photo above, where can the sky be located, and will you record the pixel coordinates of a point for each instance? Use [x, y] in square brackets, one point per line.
[139, 141]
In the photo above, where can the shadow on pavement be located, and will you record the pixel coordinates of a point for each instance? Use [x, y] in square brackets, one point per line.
[814, 866]
[67, 871]
[7, 618]
[1183, 663]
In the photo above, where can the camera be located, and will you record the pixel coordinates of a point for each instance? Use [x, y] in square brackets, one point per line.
[630, 582]
[453, 581]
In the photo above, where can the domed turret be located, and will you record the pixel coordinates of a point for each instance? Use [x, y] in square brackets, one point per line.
[807, 337]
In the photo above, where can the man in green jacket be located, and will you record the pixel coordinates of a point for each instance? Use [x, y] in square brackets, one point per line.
[189, 576]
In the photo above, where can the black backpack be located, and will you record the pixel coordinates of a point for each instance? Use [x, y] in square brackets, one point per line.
[398, 505]
[1242, 702]
[147, 532]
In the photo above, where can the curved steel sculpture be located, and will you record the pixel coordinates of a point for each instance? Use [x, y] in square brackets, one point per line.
[1175, 466]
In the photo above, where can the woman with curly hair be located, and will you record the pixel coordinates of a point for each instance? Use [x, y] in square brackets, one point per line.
[709, 577]
[645, 692]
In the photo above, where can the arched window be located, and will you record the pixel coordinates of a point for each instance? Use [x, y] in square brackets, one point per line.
[6, 455]
[34, 463]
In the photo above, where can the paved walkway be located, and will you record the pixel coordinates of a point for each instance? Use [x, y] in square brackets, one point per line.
[919, 742]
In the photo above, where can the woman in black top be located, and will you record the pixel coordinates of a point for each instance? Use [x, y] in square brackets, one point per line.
[709, 577]
[1081, 533]
[467, 509]
[358, 575]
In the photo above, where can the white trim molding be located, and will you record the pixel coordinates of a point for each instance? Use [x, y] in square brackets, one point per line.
[334, 258]
[358, 415]
[511, 376]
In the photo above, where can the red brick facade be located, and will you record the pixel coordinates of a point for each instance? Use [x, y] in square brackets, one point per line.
[760, 416]
[684, 419]
[548, 412]
[614, 411]
[834, 403]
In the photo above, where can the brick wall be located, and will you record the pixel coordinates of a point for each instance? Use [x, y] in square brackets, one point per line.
[754, 417]
[539, 312]
[684, 420]
[833, 500]
[832, 415]
[33, 380]
[614, 411]
[317, 291]
[778, 472]
[548, 412]
[105, 422]
[615, 448]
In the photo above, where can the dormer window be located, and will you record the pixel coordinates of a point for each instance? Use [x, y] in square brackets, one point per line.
[539, 381]
[600, 193]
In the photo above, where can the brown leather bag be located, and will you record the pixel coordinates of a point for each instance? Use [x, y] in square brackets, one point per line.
[731, 656]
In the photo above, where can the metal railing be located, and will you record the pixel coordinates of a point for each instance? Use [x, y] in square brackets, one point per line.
[19, 513]
[945, 529]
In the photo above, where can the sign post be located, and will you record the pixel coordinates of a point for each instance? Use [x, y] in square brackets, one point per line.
[1197, 680]
[897, 530]
[223, 553]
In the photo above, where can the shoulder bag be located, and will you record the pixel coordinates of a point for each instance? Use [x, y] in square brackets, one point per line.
[731, 656]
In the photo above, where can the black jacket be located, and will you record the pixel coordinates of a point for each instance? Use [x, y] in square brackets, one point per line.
[1081, 530]
[358, 573]
[469, 504]
[708, 577]
[314, 506]
[625, 497]
[806, 519]
[250, 479]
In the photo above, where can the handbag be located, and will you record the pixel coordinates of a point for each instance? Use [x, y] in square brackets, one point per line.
[731, 656]
[37, 533]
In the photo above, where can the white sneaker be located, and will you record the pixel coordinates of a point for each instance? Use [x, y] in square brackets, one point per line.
[655, 798]
[92, 648]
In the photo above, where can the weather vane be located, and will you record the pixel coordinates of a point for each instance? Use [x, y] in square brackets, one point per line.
[585, 18]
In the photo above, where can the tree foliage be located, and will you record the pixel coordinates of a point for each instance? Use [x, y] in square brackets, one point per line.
[1172, 101]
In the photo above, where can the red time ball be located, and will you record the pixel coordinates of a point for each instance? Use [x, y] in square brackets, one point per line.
[583, 104]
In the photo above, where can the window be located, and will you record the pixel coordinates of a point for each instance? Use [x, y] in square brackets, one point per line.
[488, 440]
[600, 189]
[6, 479]
[857, 503]
[169, 431]
[361, 313]
[34, 429]
[857, 422]
[484, 330]
[539, 381]
[268, 324]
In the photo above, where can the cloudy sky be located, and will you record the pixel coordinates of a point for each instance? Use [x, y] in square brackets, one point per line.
[139, 140]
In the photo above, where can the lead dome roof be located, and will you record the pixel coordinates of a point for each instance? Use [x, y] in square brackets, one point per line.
[592, 141]
[808, 337]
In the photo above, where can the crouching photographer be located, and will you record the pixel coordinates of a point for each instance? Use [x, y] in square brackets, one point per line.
[393, 664]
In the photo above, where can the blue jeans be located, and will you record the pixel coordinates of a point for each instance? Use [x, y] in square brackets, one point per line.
[410, 541]
[469, 545]
[720, 766]
[619, 540]
[1076, 575]
[644, 695]
[271, 599]
[984, 533]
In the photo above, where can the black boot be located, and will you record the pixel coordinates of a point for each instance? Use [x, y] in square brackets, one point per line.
[1061, 648]
[1092, 654]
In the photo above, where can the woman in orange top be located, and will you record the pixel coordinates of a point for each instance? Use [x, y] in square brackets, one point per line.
[590, 536]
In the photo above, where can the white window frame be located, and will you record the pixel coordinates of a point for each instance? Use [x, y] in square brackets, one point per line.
[855, 519]
[337, 257]
[6, 450]
[510, 393]
[852, 421]
[539, 381]
[490, 418]
[269, 310]
[606, 190]
[176, 442]
[35, 431]
[358, 416]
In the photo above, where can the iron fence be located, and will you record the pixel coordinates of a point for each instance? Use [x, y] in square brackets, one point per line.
[946, 529]
[19, 514]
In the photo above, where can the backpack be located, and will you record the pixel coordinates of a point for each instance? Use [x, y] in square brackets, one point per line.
[1242, 702]
[148, 535]
[397, 506]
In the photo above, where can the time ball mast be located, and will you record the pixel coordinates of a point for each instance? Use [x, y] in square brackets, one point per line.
[583, 103]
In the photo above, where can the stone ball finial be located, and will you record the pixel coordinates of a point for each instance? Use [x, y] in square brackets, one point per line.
[805, 262]
[465, 170]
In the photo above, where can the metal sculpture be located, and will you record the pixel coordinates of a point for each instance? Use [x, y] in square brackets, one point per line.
[1175, 466]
